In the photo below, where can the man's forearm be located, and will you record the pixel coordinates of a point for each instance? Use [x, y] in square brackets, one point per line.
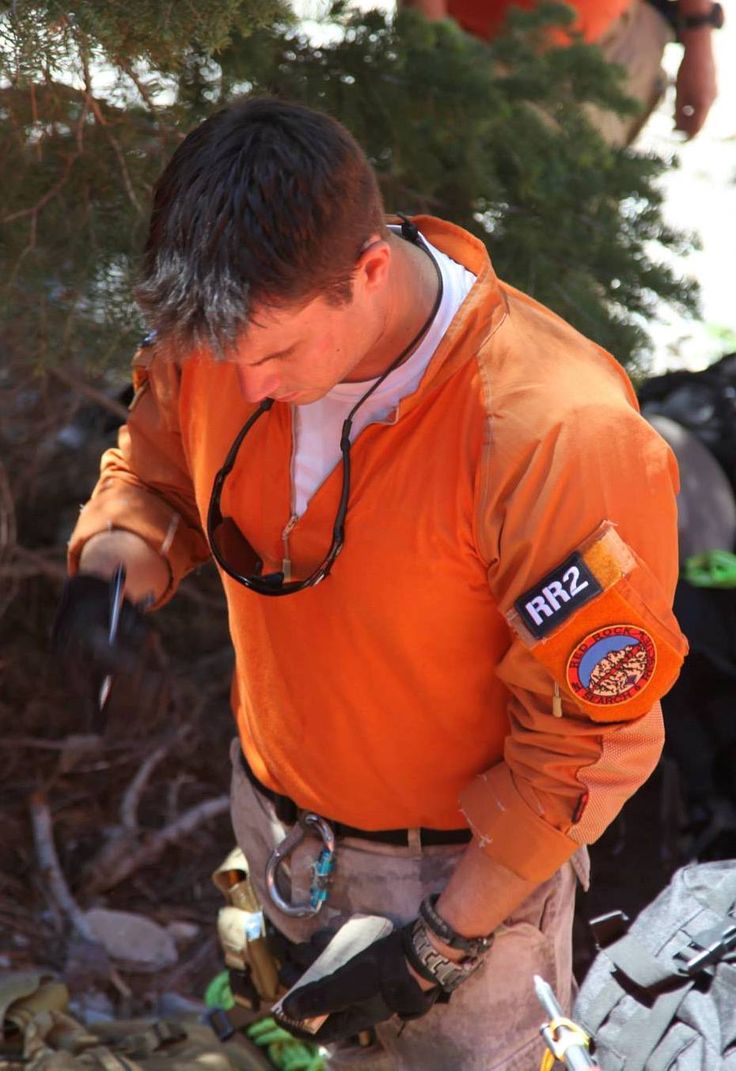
[147, 572]
[478, 897]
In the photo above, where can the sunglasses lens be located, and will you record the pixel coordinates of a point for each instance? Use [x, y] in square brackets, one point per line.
[236, 550]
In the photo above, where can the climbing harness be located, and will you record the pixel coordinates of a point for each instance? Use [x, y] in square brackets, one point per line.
[322, 868]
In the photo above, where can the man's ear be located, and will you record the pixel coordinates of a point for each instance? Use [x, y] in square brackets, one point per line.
[373, 264]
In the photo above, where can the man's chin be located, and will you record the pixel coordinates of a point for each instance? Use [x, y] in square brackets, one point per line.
[301, 397]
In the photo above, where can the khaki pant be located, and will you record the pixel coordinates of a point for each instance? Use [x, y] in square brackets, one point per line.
[492, 1022]
[636, 42]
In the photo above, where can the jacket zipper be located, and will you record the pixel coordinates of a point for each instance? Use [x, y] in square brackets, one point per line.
[293, 518]
[286, 560]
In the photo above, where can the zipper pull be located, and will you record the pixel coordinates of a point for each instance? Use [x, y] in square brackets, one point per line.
[286, 560]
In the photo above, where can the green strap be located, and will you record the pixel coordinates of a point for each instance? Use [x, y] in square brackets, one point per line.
[714, 569]
[285, 1052]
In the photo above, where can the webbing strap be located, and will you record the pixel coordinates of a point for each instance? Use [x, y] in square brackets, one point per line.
[647, 1027]
[598, 1010]
[630, 956]
[111, 1061]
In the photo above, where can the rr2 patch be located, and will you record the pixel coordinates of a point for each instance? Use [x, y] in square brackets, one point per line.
[558, 595]
[612, 665]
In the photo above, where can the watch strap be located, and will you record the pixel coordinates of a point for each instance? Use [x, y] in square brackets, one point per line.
[713, 18]
[443, 931]
[431, 964]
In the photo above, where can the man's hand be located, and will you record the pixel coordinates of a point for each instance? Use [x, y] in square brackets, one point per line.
[80, 634]
[696, 82]
[371, 987]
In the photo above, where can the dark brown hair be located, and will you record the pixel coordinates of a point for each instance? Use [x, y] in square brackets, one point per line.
[265, 203]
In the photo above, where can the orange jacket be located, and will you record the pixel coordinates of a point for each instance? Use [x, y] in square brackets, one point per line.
[397, 693]
[484, 19]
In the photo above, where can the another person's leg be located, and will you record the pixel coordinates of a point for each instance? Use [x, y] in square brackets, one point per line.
[635, 42]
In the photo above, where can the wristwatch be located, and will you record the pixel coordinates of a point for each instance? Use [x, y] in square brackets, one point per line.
[713, 18]
[472, 946]
[431, 964]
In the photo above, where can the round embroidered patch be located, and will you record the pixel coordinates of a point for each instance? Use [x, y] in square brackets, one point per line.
[612, 665]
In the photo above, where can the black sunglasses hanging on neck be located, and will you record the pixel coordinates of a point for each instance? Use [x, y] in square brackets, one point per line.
[230, 549]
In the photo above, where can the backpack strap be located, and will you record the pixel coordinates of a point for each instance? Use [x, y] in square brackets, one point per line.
[647, 1026]
[629, 956]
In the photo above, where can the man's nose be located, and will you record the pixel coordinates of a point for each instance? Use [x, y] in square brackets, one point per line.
[255, 385]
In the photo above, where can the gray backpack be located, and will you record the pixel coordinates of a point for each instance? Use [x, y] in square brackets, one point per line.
[661, 994]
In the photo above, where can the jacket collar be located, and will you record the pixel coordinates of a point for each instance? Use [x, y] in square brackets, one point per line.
[478, 318]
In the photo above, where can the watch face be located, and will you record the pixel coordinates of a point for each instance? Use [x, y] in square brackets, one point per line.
[717, 17]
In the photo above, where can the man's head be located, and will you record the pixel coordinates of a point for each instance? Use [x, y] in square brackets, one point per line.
[264, 207]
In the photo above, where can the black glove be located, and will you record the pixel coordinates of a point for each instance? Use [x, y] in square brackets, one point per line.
[372, 986]
[80, 634]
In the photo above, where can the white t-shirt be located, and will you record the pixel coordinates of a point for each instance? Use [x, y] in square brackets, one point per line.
[318, 425]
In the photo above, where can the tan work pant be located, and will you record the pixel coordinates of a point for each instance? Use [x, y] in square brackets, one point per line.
[492, 1021]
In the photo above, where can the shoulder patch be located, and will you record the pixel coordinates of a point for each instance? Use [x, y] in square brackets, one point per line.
[609, 651]
[612, 665]
[557, 595]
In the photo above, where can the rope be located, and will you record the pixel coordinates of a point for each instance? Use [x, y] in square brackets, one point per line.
[285, 1052]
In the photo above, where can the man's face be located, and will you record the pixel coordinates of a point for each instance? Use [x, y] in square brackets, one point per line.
[298, 354]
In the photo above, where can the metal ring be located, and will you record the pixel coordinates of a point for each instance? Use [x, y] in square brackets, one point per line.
[294, 837]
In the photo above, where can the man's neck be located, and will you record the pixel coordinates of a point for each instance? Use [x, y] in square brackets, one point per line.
[410, 299]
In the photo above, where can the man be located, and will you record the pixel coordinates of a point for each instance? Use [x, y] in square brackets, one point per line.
[630, 33]
[470, 693]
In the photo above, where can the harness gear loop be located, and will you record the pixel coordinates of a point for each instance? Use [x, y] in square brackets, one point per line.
[322, 868]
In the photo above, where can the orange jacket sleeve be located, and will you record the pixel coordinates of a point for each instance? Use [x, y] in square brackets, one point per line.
[144, 484]
[560, 461]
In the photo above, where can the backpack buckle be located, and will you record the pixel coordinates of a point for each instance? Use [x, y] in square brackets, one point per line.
[608, 928]
[714, 952]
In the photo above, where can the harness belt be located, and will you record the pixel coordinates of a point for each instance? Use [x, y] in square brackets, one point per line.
[287, 812]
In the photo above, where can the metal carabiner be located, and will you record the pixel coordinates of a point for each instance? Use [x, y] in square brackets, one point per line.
[322, 868]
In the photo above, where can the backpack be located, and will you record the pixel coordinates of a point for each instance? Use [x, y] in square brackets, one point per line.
[661, 994]
[703, 402]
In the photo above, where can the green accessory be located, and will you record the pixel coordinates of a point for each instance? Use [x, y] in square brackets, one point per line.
[285, 1052]
[714, 569]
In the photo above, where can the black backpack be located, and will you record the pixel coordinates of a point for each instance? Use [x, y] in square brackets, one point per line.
[661, 995]
[703, 402]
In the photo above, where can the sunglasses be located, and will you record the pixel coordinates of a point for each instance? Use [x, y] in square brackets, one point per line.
[232, 551]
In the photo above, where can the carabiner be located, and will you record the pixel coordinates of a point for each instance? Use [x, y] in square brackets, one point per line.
[322, 868]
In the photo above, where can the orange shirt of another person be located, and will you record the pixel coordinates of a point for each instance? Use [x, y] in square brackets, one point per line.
[485, 19]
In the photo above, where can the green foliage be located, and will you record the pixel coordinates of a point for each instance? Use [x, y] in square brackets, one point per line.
[94, 98]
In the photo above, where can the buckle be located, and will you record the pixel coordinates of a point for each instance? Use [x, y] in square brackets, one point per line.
[609, 927]
[713, 952]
